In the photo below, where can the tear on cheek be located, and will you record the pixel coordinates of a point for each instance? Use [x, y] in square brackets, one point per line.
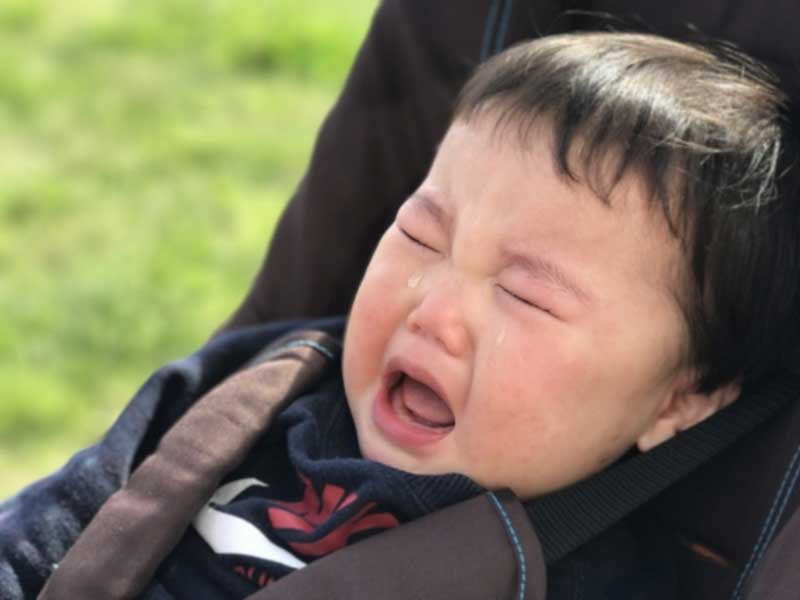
[502, 335]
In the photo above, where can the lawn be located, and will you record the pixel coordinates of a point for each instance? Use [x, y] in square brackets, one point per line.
[148, 147]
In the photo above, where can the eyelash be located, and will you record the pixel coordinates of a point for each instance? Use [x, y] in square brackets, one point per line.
[416, 240]
[524, 301]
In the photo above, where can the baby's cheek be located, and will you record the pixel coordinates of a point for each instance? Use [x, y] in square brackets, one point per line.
[541, 358]
[569, 364]
[373, 318]
[536, 387]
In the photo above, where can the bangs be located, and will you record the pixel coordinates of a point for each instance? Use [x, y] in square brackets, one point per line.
[631, 104]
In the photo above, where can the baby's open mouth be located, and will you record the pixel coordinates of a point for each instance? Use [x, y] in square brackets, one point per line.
[417, 403]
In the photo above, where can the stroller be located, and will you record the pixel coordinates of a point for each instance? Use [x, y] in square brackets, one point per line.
[726, 492]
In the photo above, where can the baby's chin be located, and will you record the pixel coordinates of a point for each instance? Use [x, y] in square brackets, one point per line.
[384, 453]
[393, 458]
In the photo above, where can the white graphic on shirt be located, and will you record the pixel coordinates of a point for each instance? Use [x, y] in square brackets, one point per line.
[227, 534]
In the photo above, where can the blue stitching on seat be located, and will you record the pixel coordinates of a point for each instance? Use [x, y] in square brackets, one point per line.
[515, 541]
[487, 31]
[777, 519]
[771, 522]
[501, 33]
[311, 344]
[775, 522]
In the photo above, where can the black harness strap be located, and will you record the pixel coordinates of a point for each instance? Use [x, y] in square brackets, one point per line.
[568, 518]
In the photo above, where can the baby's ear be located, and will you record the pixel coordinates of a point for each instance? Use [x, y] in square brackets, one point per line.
[682, 409]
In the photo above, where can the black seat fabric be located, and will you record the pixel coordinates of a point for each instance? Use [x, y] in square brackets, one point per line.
[390, 116]
[777, 577]
[726, 513]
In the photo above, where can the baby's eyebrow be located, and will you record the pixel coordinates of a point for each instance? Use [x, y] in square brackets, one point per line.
[430, 205]
[542, 268]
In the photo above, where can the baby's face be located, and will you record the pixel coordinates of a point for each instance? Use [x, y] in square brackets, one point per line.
[511, 326]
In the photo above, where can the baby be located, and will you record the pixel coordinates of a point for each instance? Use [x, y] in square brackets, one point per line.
[587, 267]
[600, 257]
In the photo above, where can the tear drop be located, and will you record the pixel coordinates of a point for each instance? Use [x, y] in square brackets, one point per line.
[414, 280]
[502, 335]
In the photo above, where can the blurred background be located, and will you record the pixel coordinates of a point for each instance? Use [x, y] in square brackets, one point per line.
[147, 148]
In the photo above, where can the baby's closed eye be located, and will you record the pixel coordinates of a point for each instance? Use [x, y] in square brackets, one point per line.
[415, 238]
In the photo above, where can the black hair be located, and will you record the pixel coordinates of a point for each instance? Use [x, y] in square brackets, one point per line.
[702, 128]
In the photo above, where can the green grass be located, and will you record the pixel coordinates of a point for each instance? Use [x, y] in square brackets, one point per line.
[146, 150]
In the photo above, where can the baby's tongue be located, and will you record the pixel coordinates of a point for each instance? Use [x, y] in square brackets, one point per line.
[425, 403]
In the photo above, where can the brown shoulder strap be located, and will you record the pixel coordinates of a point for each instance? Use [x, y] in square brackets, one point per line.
[162, 496]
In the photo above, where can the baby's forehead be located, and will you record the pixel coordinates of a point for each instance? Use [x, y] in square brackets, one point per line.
[579, 165]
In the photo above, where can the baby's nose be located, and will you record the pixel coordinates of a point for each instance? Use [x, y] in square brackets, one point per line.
[439, 315]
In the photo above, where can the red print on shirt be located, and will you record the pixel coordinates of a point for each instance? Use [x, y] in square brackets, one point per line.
[314, 510]
[258, 576]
